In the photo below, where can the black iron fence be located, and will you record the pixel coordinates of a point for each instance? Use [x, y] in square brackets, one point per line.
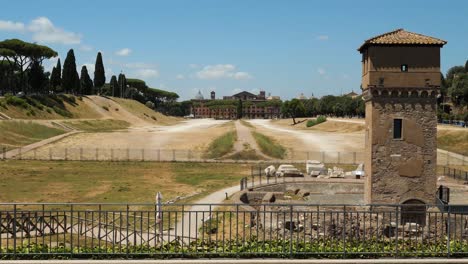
[456, 174]
[230, 230]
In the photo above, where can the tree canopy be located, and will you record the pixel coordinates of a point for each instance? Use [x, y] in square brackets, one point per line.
[99, 73]
[70, 79]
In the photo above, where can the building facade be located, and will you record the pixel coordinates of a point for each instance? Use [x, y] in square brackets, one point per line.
[253, 106]
[400, 84]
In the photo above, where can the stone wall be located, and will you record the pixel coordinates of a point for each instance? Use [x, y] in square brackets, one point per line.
[401, 169]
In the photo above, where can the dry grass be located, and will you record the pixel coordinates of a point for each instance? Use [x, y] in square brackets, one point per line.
[140, 110]
[104, 125]
[20, 133]
[328, 126]
[124, 182]
[453, 140]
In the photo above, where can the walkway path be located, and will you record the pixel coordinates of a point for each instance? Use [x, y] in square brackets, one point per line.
[19, 151]
[245, 141]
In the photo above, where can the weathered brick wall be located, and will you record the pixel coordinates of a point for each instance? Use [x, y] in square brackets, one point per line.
[401, 169]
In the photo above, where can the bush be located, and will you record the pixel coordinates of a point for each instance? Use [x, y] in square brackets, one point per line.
[105, 108]
[318, 120]
[16, 101]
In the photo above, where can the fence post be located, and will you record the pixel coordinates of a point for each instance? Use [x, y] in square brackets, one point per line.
[128, 154]
[290, 232]
[35, 154]
[173, 155]
[4, 153]
[20, 154]
[354, 157]
[50, 153]
[448, 232]
[159, 155]
[142, 154]
[112, 154]
[81, 154]
[97, 154]
[14, 230]
[66, 153]
[339, 157]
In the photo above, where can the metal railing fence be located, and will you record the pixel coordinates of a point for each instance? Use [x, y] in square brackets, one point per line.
[456, 174]
[230, 230]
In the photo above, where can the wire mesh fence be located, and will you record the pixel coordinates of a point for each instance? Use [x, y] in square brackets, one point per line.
[230, 230]
[132, 154]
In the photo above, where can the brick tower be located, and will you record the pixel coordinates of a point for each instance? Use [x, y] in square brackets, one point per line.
[400, 83]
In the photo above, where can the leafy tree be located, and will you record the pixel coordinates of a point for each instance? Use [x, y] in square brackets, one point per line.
[239, 109]
[452, 72]
[21, 55]
[466, 66]
[114, 87]
[99, 74]
[86, 83]
[70, 79]
[459, 89]
[293, 109]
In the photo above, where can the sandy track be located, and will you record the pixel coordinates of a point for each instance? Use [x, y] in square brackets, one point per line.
[302, 140]
[192, 135]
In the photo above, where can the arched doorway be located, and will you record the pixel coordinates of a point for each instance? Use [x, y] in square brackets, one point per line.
[413, 211]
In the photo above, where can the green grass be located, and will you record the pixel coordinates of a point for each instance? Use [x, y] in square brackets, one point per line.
[221, 145]
[269, 146]
[20, 133]
[104, 125]
[123, 182]
[318, 120]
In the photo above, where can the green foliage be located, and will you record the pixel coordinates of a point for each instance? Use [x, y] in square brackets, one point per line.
[269, 146]
[122, 82]
[99, 73]
[294, 108]
[114, 87]
[221, 145]
[20, 133]
[70, 79]
[239, 109]
[38, 81]
[86, 83]
[253, 248]
[317, 121]
[459, 89]
[56, 77]
[16, 101]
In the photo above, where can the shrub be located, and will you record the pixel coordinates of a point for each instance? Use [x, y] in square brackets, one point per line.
[318, 120]
[62, 112]
[105, 108]
[16, 101]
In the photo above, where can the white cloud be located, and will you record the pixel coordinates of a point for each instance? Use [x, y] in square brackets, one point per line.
[180, 77]
[123, 52]
[86, 48]
[242, 76]
[49, 64]
[322, 37]
[11, 26]
[44, 31]
[90, 68]
[221, 71]
[321, 71]
[147, 73]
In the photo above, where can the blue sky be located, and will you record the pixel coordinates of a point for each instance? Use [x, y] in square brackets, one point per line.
[283, 47]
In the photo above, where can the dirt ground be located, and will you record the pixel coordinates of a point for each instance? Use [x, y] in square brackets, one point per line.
[194, 135]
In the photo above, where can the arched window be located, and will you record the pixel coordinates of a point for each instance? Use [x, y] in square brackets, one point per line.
[413, 211]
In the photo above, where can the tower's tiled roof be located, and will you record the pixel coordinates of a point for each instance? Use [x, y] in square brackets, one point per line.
[402, 37]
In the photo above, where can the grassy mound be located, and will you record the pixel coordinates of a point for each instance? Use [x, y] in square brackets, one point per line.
[453, 140]
[20, 133]
[318, 120]
[221, 145]
[104, 125]
[269, 146]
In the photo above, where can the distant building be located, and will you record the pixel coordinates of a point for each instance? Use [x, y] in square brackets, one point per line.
[352, 94]
[253, 106]
[301, 97]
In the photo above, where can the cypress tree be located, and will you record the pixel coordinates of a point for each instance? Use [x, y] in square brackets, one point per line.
[99, 74]
[70, 78]
[122, 84]
[37, 78]
[86, 83]
[466, 66]
[114, 86]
